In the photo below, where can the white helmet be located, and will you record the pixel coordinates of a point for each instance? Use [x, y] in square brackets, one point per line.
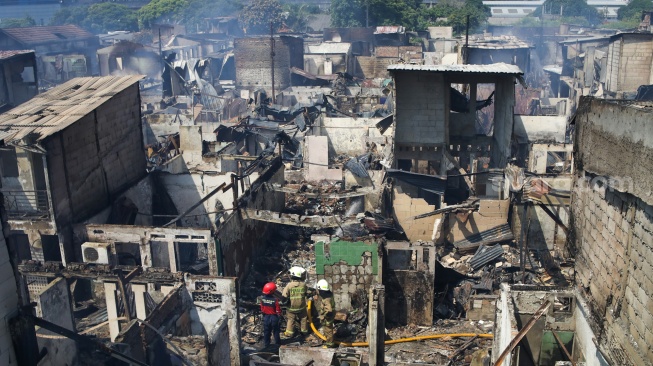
[323, 285]
[297, 271]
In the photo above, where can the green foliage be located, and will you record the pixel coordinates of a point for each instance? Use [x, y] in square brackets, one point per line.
[98, 18]
[625, 24]
[412, 14]
[633, 10]
[193, 17]
[17, 22]
[455, 15]
[297, 16]
[105, 17]
[190, 13]
[256, 17]
[347, 13]
[570, 8]
[70, 15]
[157, 10]
[395, 12]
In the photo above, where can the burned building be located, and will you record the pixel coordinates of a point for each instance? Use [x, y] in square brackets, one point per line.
[128, 58]
[18, 80]
[254, 58]
[63, 51]
[490, 50]
[634, 50]
[612, 217]
[67, 154]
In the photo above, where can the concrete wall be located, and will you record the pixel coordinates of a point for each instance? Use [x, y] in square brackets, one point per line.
[616, 141]
[241, 239]
[96, 158]
[187, 189]
[351, 136]
[215, 302]
[612, 224]
[407, 204]
[8, 304]
[421, 108]
[350, 268]
[54, 305]
[253, 64]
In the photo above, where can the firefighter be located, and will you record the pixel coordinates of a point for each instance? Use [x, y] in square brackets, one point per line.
[271, 314]
[327, 312]
[295, 293]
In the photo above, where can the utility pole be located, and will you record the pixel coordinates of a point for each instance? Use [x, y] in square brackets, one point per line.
[272, 59]
[367, 14]
[161, 53]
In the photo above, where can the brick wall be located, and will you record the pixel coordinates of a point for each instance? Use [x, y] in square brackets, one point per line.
[370, 67]
[612, 227]
[350, 268]
[8, 303]
[630, 64]
[253, 64]
[98, 156]
[420, 108]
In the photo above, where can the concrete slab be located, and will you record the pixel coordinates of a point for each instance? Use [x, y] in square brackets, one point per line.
[297, 355]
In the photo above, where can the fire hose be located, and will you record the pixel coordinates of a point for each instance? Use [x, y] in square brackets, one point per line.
[392, 341]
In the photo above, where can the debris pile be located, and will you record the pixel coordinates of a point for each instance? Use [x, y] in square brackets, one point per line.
[441, 351]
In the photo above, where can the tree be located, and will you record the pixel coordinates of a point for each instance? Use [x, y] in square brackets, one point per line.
[157, 10]
[70, 15]
[347, 13]
[570, 8]
[193, 17]
[258, 16]
[17, 22]
[454, 14]
[98, 18]
[297, 16]
[105, 17]
[634, 9]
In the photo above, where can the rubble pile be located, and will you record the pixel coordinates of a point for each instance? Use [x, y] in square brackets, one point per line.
[315, 205]
[466, 274]
[441, 351]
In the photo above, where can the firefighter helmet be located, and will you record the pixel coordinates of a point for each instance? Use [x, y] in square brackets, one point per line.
[269, 288]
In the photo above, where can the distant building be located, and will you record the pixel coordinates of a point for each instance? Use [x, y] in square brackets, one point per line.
[63, 51]
[630, 63]
[253, 62]
[18, 81]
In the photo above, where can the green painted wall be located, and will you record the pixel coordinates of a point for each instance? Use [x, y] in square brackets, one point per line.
[349, 252]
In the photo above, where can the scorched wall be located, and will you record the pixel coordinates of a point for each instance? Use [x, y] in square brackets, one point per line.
[612, 225]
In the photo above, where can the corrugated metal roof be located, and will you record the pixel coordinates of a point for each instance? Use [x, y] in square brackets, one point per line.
[498, 68]
[586, 39]
[500, 42]
[491, 236]
[58, 108]
[55, 33]
[4, 55]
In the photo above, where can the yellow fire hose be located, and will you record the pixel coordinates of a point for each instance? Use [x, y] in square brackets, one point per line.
[393, 341]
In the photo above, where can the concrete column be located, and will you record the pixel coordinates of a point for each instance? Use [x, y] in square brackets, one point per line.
[376, 336]
[112, 309]
[172, 255]
[139, 298]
